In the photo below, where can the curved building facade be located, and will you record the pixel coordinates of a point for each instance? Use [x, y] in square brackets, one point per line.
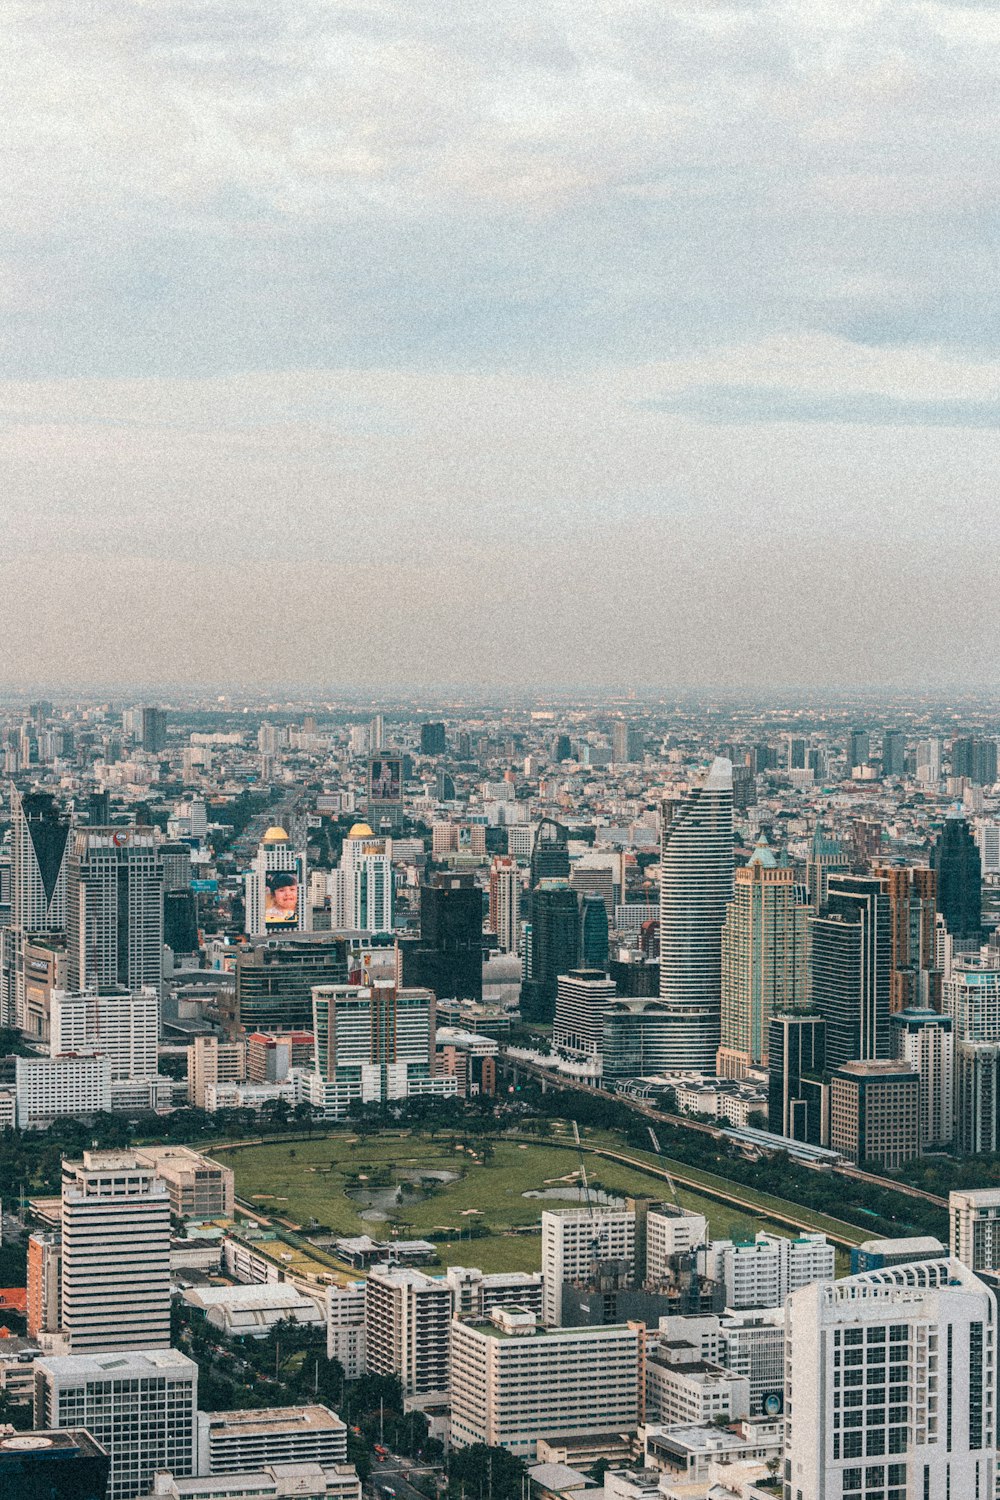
[696, 886]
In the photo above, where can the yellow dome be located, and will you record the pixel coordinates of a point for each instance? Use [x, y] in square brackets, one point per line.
[275, 835]
[361, 831]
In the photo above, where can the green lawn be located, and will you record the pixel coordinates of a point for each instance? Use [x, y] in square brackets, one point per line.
[308, 1180]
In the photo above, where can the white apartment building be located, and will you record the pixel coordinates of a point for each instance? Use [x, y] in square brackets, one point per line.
[671, 1230]
[140, 1407]
[47, 1087]
[582, 999]
[345, 1327]
[750, 1343]
[475, 1295]
[238, 1442]
[926, 1041]
[115, 1254]
[124, 1024]
[211, 1061]
[974, 1217]
[972, 999]
[575, 1241]
[890, 1386]
[682, 1389]
[513, 1382]
[407, 1328]
[761, 1272]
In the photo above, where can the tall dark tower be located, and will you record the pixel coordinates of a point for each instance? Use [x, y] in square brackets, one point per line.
[851, 966]
[555, 945]
[959, 880]
[594, 933]
[550, 855]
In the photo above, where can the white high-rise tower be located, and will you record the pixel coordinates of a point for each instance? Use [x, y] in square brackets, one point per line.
[696, 886]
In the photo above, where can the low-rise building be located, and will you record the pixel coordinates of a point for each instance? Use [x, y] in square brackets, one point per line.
[305, 1481]
[198, 1187]
[239, 1442]
[252, 1311]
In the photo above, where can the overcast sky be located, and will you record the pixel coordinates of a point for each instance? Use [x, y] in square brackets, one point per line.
[613, 342]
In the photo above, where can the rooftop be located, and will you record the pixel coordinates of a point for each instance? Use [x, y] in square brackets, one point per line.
[273, 1419]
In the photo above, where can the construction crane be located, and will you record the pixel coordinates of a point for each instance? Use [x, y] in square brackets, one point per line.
[659, 1151]
[595, 1218]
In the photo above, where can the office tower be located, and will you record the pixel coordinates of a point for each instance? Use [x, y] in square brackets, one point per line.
[576, 1242]
[851, 953]
[385, 792]
[549, 854]
[626, 742]
[594, 933]
[210, 1062]
[275, 978]
[555, 944]
[563, 749]
[38, 872]
[432, 739]
[361, 891]
[858, 748]
[826, 857]
[972, 999]
[763, 953]
[924, 1040]
[125, 1025]
[977, 1097]
[444, 786]
[582, 999]
[974, 1220]
[696, 886]
[65, 1465]
[890, 1386]
[744, 788]
[154, 730]
[763, 1271]
[180, 921]
[929, 760]
[592, 879]
[988, 839]
[245, 1442]
[505, 896]
[975, 758]
[374, 1043]
[275, 887]
[376, 732]
[914, 979]
[408, 1329]
[893, 752]
[449, 956]
[176, 858]
[795, 752]
[955, 859]
[115, 1254]
[513, 1382]
[114, 898]
[875, 1112]
[797, 1097]
[140, 1407]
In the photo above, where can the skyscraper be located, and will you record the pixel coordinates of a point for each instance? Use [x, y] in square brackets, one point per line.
[925, 1040]
[696, 885]
[549, 855]
[914, 979]
[594, 933]
[38, 874]
[154, 730]
[449, 955]
[975, 757]
[275, 887]
[893, 752]
[361, 890]
[956, 862]
[851, 957]
[555, 944]
[432, 739]
[582, 999]
[505, 894]
[275, 978]
[826, 856]
[858, 748]
[114, 897]
[763, 953]
[373, 1043]
[797, 1096]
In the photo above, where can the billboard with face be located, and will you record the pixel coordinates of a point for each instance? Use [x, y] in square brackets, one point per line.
[282, 895]
[386, 779]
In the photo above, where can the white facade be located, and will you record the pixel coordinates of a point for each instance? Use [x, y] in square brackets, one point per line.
[276, 856]
[974, 1218]
[126, 1026]
[926, 1041]
[671, 1231]
[47, 1087]
[890, 1386]
[407, 1329]
[366, 881]
[574, 1241]
[345, 1327]
[693, 1392]
[140, 1407]
[273, 1482]
[582, 999]
[761, 1272]
[505, 894]
[115, 1254]
[513, 1383]
[235, 1442]
[972, 999]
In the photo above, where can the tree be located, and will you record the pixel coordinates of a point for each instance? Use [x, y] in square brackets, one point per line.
[486, 1473]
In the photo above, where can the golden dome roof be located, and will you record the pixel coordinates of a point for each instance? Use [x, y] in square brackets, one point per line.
[361, 831]
[275, 835]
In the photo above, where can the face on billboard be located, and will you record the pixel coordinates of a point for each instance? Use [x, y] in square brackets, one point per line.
[386, 780]
[282, 899]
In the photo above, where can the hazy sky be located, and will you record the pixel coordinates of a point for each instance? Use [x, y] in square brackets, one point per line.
[524, 342]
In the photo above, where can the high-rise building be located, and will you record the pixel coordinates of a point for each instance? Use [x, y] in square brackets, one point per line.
[851, 955]
[761, 1272]
[929, 760]
[140, 1407]
[798, 1096]
[924, 1040]
[275, 887]
[505, 895]
[975, 758]
[154, 730]
[795, 752]
[114, 898]
[914, 979]
[362, 891]
[550, 852]
[977, 1097]
[972, 999]
[576, 1242]
[38, 871]
[763, 953]
[408, 1329]
[826, 857]
[115, 1254]
[124, 1024]
[65, 1465]
[974, 1219]
[890, 1385]
[955, 859]
[245, 1442]
[555, 943]
[275, 978]
[875, 1112]
[373, 1043]
[582, 999]
[210, 1062]
[696, 886]
[594, 933]
[432, 739]
[513, 1382]
[858, 748]
[626, 743]
[449, 955]
[893, 752]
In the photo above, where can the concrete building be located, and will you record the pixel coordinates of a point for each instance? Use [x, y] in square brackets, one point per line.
[140, 1407]
[575, 1242]
[475, 1295]
[671, 1231]
[582, 1000]
[875, 1112]
[211, 1061]
[890, 1385]
[238, 1442]
[124, 1025]
[275, 887]
[972, 999]
[273, 1482]
[407, 1329]
[974, 1227]
[505, 896]
[685, 1389]
[198, 1187]
[762, 1272]
[514, 1382]
[977, 1097]
[345, 1327]
[47, 1087]
[115, 1254]
[44, 1278]
[373, 1043]
[924, 1041]
[253, 1311]
[114, 904]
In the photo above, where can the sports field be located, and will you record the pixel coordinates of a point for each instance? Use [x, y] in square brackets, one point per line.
[311, 1180]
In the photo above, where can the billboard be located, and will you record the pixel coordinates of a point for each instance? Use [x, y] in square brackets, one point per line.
[283, 895]
[385, 779]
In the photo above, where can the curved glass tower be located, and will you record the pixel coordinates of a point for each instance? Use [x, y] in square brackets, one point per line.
[696, 886]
